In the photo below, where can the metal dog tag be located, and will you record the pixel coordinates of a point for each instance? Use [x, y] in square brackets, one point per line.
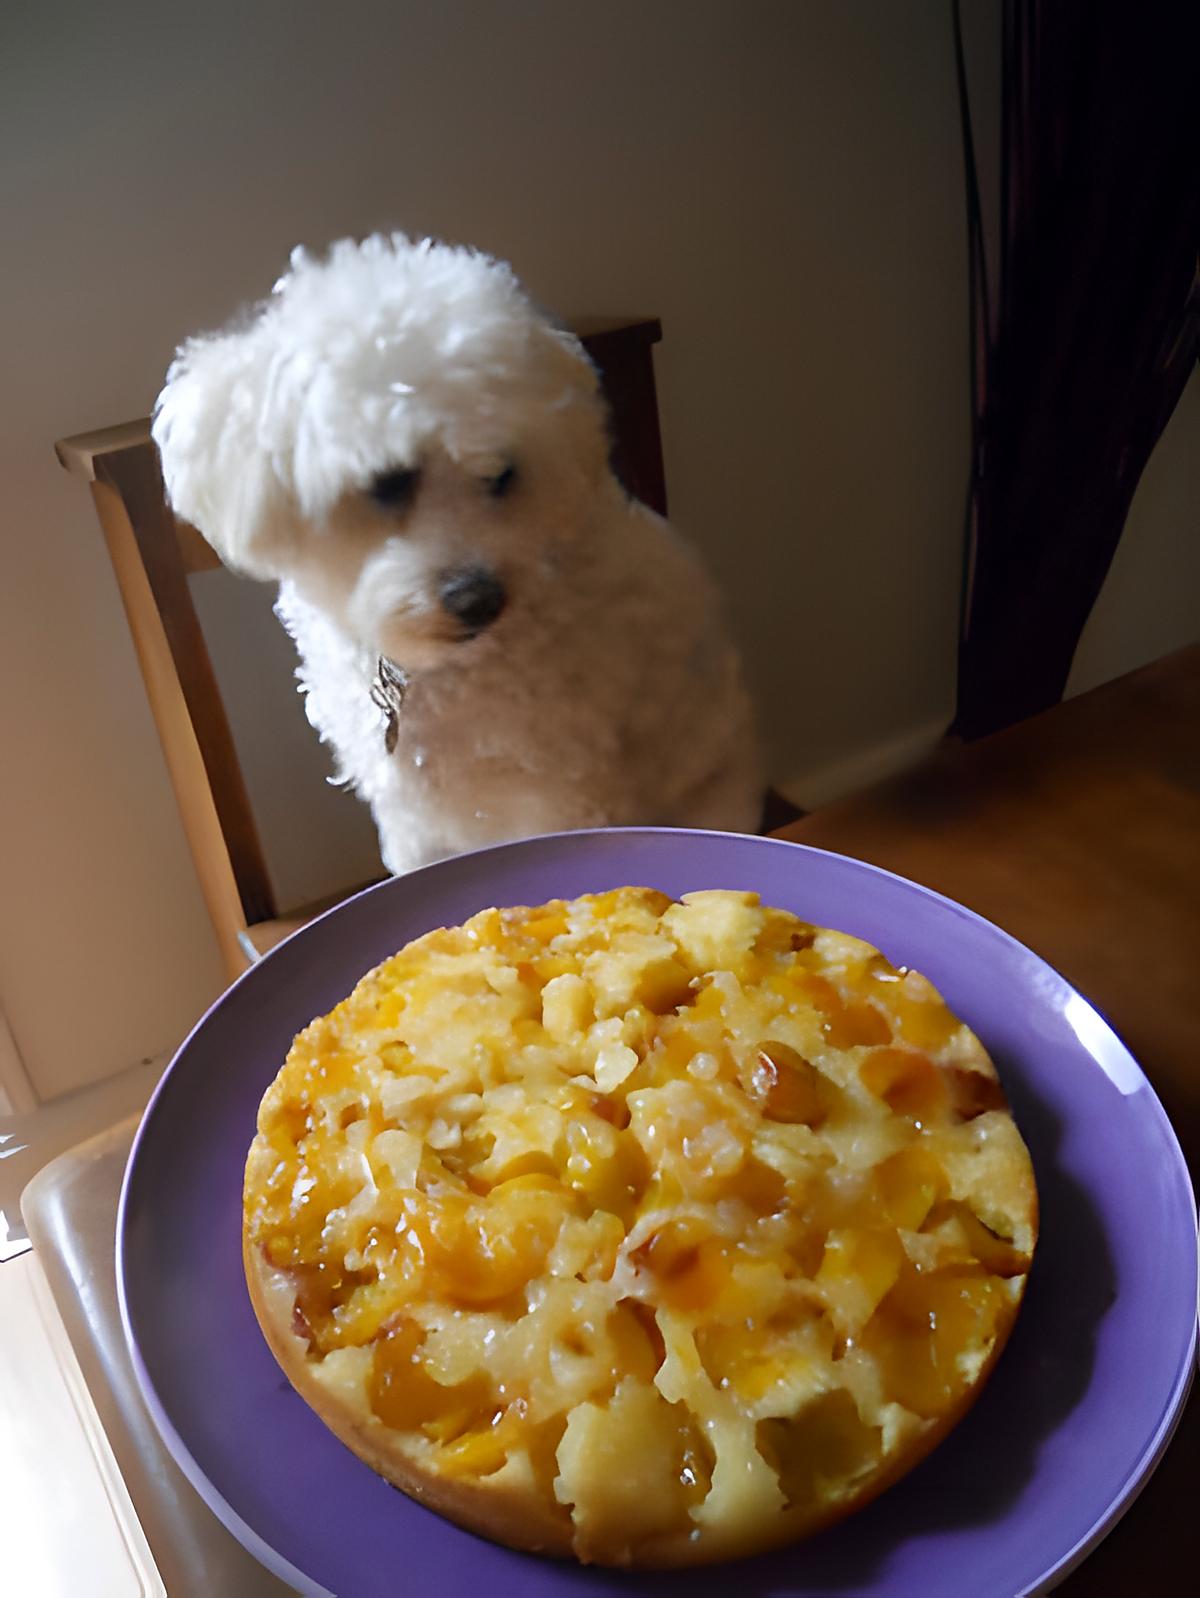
[387, 693]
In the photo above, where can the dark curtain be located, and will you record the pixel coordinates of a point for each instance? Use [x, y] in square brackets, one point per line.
[1096, 326]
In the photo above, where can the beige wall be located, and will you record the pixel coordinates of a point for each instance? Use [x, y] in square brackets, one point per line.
[778, 180]
[1150, 602]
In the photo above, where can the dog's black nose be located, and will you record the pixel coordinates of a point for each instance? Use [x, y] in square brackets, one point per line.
[474, 597]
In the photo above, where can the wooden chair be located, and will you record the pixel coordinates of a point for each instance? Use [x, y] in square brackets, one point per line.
[154, 554]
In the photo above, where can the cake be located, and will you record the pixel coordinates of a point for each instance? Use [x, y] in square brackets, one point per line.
[636, 1231]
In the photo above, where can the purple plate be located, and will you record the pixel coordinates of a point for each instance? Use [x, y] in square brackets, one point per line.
[1075, 1418]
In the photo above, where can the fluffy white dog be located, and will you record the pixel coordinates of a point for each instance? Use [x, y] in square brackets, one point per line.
[494, 638]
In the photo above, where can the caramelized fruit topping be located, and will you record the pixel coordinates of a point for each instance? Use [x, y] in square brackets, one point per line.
[673, 1205]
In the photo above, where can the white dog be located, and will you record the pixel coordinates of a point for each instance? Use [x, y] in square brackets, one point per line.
[495, 640]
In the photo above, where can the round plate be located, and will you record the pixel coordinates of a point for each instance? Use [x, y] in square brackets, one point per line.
[1072, 1422]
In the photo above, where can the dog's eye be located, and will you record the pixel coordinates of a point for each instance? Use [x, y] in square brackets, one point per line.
[499, 485]
[395, 488]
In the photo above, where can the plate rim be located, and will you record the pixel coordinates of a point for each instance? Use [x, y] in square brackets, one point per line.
[1137, 1477]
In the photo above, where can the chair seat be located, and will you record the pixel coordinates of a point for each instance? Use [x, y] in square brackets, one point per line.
[263, 936]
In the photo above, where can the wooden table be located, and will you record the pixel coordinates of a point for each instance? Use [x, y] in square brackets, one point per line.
[1078, 832]
[1068, 831]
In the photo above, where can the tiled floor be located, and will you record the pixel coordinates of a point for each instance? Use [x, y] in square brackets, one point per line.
[67, 1527]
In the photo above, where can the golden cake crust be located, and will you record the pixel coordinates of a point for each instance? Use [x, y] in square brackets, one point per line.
[646, 1233]
[511, 1515]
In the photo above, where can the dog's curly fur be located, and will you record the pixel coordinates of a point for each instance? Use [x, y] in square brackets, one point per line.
[420, 459]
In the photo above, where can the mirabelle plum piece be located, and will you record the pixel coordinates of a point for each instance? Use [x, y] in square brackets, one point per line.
[605, 1165]
[548, 966]
[674, 1047]
[801, 985]
[321, 1290]
[543, 928]
[690, 1265]
[908, 1083]
[858, 1268]
[672, 1247]
[533, 1163]
[910, 1183]
[856, 1024]
[996, 1254]
[487, 929]
[762, 1187]
[769, 1368]
[483, 1251]
[663, 987]
[644, 969]
[921, 1019]
[845, 1024]
[484, 1450]
[706, 1006]
[788, 1087]
[973, 1093]
[700, 1283]
[784, 934]
[919, 1331]
[400, 1390]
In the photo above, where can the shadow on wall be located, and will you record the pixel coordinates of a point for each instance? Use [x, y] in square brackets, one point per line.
[317, 838]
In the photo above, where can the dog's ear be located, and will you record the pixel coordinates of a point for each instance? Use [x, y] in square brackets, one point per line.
[207, 425]
[580, 409]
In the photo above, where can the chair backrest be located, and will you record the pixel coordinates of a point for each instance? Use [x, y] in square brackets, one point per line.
[154, 554]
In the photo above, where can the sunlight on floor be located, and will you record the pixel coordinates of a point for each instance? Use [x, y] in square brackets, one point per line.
[68, 1525]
